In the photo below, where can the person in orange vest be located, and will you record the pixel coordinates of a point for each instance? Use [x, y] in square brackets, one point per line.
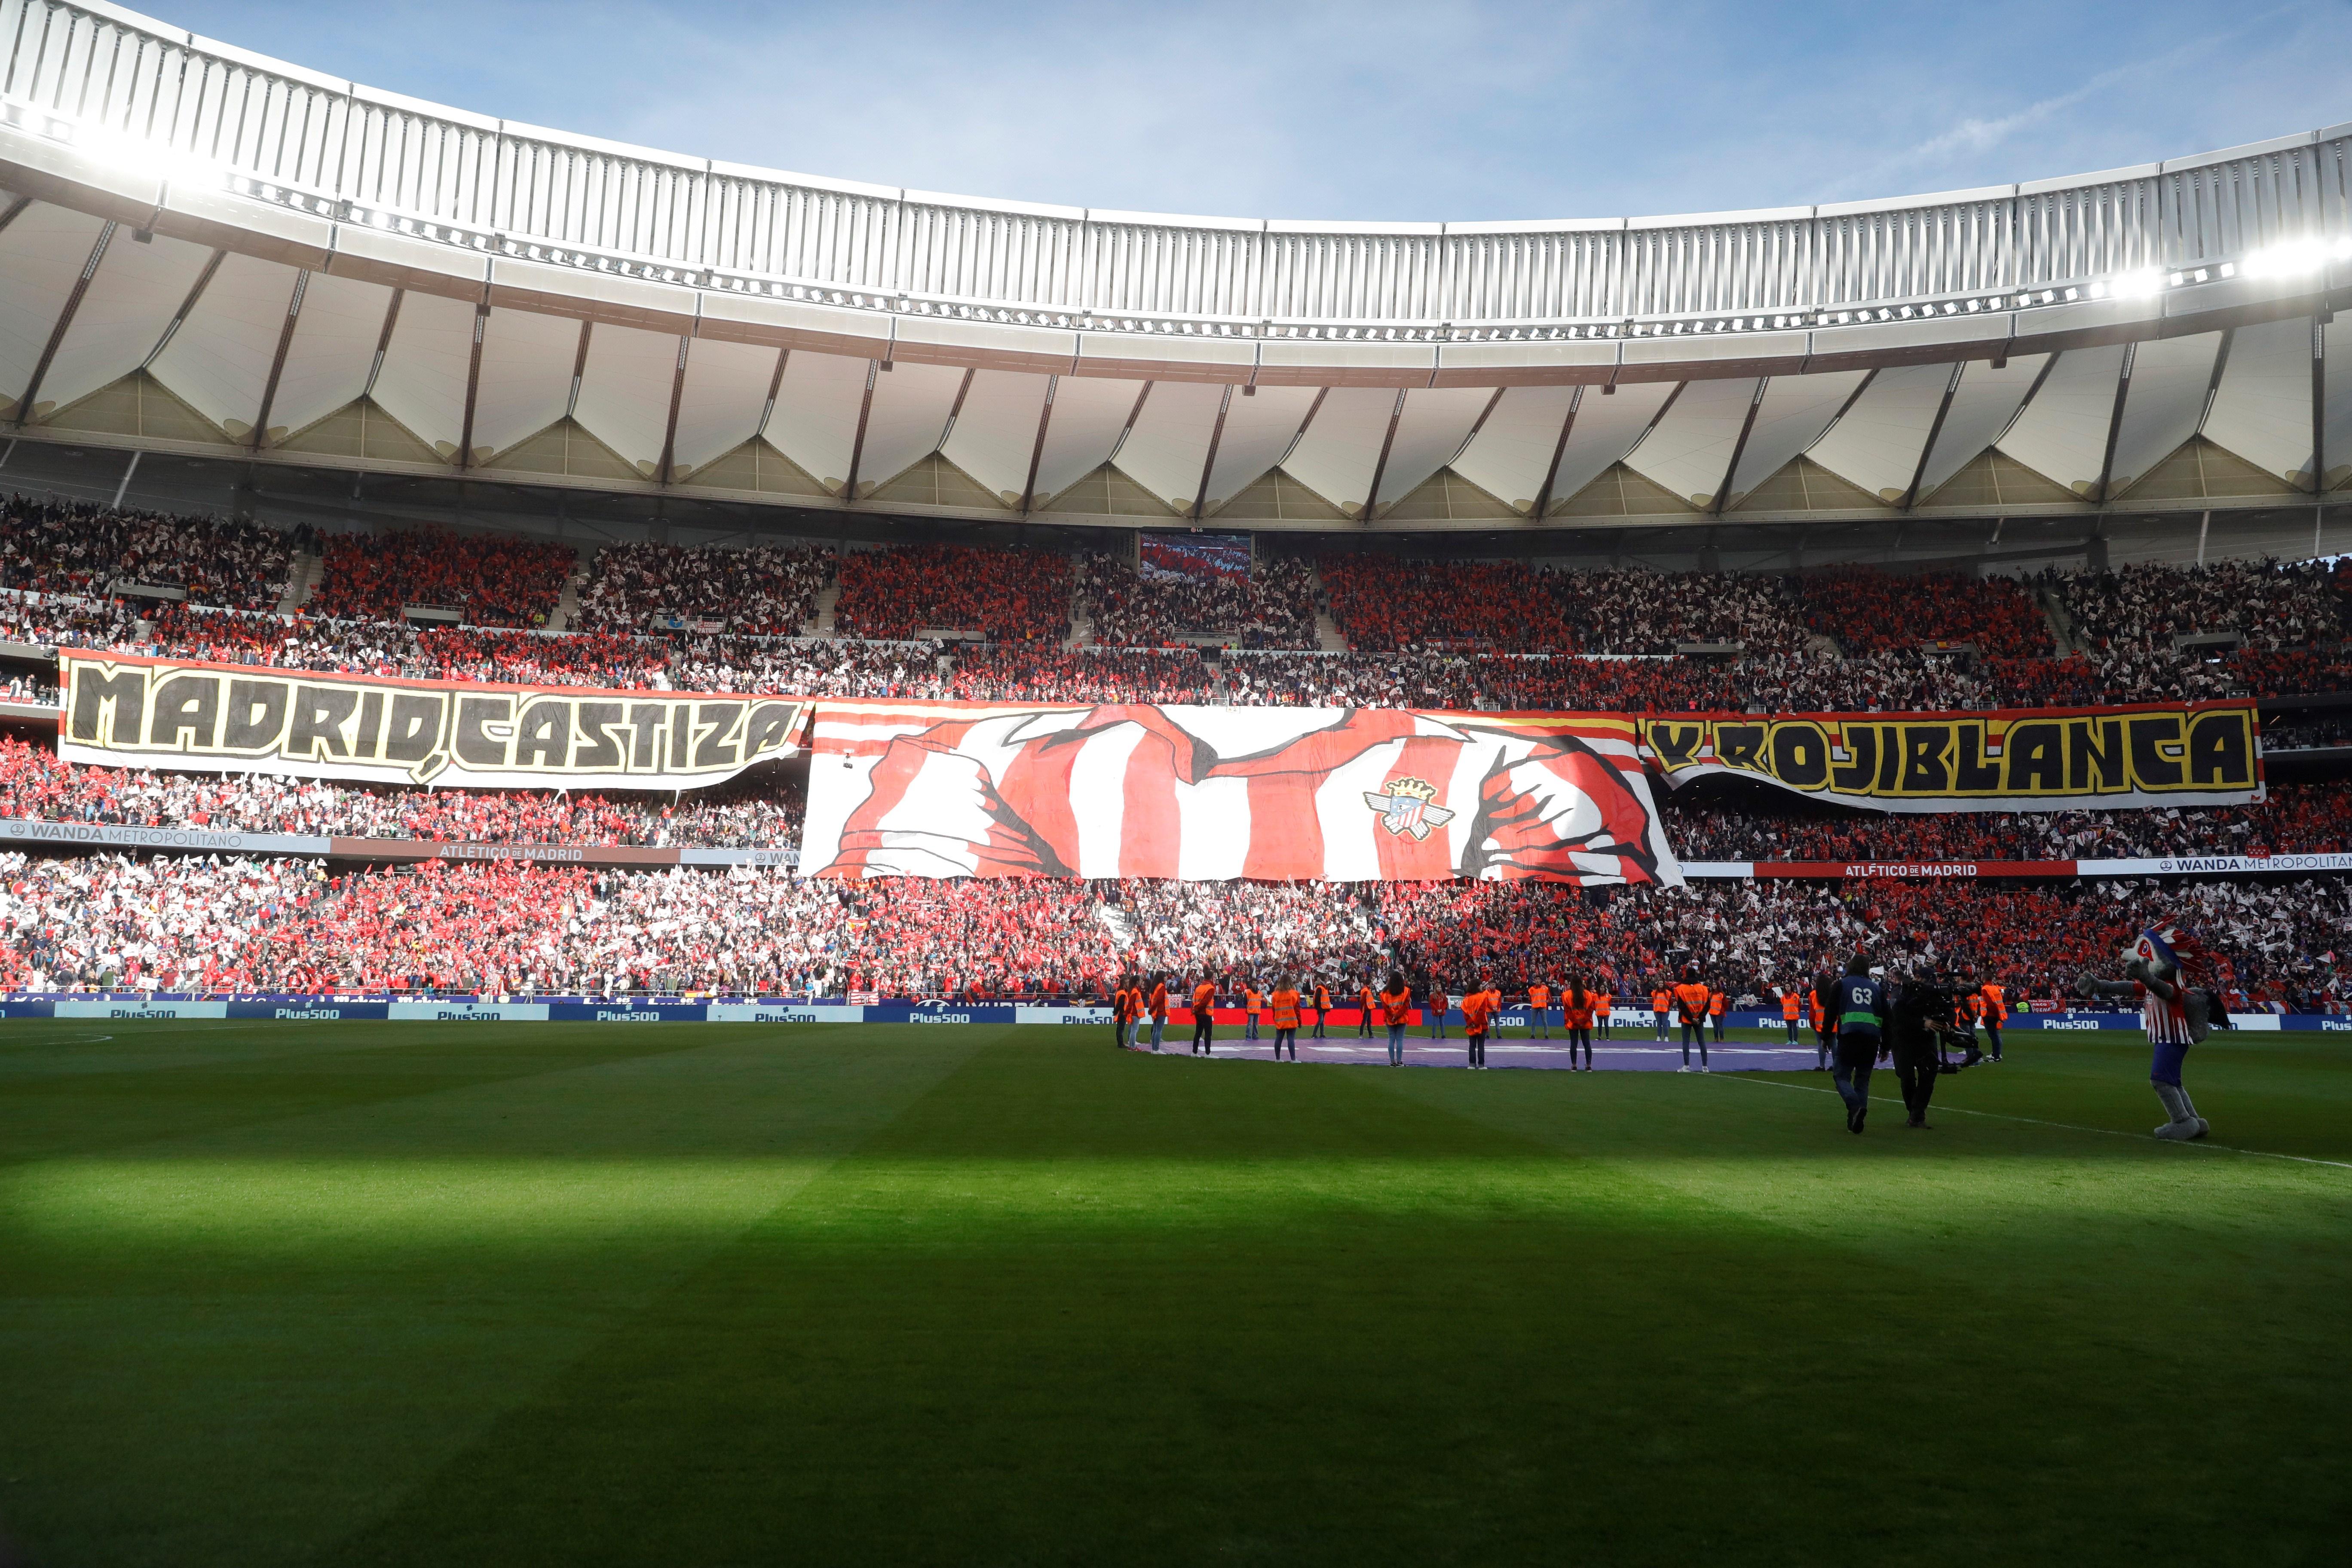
[1690, 1004]
[1660, 1001]
[1435, 1006]
[1714, 1011]
[1996, 1012]
[1814, 998]
[1322, 1011]
[1254, 1003]
[1792, 1003]
[1204, 1017]
[1368, 1000]
[1576, 1007]
[1477, 1007]
[1396, 1012]
[1157, 1003]
[1603, 1005]
[1122, 1008]
[1539, 1012]
[1284, 1005]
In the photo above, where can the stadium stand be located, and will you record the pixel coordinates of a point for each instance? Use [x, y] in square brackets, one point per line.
[1385, 605]
[1006, 595]
[1867, 611]
[494, 581]
[761, 591]
[2143, 608]
[756, 810]
[1136, 605]
[55, 548]
[215, 924]
[1015, 672]
[2297, 819]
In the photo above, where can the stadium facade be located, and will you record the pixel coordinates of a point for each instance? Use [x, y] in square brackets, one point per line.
[214, 255]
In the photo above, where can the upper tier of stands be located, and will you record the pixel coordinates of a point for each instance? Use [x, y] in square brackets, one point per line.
[760, 591]
[493, 581]
[59, 548]
[1422, 633]
[228, 923]
[1006, 595]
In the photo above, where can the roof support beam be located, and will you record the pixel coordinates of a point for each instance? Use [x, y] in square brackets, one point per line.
[2116, 422]
[1935, 433]
[1216, 434]
[857, 445]
[1300, 434]
[1739, 447]
[775, 385]
[2319, 405]
[669, 430]
[955, 410]
[277, 361]
[1559, 450]
[474, 383]
[2213, 382]
[383, 340]
[1133, 415]
[187, 308]
[1037, 446]
[1372, 495]
[64, 320]
[16, 210]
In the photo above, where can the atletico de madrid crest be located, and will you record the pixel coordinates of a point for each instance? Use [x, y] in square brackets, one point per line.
[1406, 808]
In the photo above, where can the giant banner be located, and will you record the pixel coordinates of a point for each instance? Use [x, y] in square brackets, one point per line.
[125, 710]
[968, 789]
[2036, 759]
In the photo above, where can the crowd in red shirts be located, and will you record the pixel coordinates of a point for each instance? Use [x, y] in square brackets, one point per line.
[55, 547]
[1012, 672]
[1865, 608]
[1007, 594]
[507, 927]
[1139, 604]
[2296, 820]
[1384, 604]
[492, 579]
[756, 811]
[759, 591]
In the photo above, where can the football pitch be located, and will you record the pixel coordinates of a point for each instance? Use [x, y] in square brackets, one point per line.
[526, 1294]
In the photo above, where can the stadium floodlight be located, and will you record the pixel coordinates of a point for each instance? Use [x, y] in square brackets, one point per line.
[2293, 257]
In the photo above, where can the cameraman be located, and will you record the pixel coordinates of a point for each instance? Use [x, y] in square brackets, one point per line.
[1918, 1034]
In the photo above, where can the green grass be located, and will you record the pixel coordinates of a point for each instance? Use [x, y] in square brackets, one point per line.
[350, 1294]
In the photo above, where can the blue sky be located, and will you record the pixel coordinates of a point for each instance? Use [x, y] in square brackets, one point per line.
[1439, 108]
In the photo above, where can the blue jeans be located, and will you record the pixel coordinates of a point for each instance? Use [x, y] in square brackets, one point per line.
[1396, 1045]
[1856, 1054]
[1159, 1026]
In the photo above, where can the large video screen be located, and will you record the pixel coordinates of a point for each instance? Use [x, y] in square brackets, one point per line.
[1195, 557]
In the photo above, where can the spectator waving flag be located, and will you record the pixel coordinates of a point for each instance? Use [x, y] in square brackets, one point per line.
[1208, 793]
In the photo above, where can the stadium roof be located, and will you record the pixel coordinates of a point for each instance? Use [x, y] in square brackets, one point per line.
[209, 252]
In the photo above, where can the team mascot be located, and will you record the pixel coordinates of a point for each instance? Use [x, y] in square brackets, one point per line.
[2171, 976]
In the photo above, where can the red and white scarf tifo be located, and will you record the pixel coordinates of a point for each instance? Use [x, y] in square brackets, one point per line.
[1206, 794]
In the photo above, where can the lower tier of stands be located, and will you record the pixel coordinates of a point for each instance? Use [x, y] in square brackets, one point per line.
[243, 924]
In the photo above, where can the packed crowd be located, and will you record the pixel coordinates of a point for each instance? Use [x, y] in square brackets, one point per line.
[53, 547]
[1138, 604]
[1387, 605]
[1006, 595]
[1632, 611]
[2296, 820]
[508, 927]
[760, 810]
[491, 579]
[412, 651]
[2143, 608]
[1867, 610]
[1015, 673]
[763, 590]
